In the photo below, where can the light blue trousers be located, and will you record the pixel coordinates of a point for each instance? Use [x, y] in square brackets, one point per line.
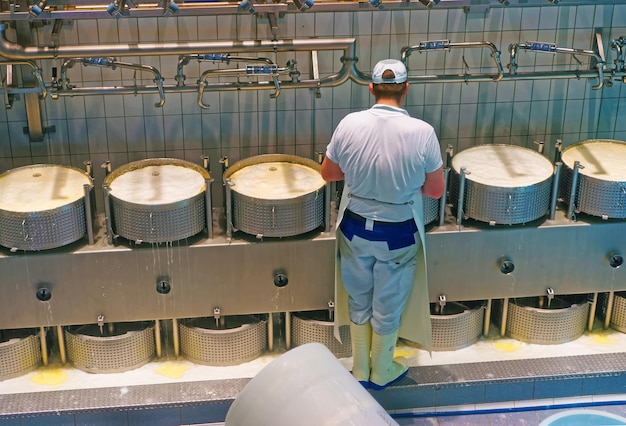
[378, 280]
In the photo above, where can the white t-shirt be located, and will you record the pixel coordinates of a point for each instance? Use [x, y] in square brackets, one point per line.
[385, 155]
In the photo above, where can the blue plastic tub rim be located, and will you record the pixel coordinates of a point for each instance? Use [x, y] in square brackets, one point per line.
[583, 417]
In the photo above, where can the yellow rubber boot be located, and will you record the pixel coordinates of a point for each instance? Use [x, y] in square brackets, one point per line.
[361, 336]
[385, 368]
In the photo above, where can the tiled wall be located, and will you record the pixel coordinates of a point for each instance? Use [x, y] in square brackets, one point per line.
[124, 128]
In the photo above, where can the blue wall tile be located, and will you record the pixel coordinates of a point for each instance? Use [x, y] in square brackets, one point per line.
[155, 417]
[557, 388]
[205, 413]
[604, 385]
[66, 420]
[109, 418]
[396, 398]
[509, 391]
[460, 395]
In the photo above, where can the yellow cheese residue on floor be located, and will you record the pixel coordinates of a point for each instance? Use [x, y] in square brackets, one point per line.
[603, 338]
[52, 376]
[174, 371]
[507, 346]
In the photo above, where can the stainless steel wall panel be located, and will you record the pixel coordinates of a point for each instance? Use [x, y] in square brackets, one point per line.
[569, 257]
[238, 276]
[121, 283]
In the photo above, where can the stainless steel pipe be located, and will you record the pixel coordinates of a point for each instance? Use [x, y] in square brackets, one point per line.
[13, 50]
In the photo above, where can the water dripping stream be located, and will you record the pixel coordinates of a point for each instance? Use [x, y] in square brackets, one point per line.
[513, 280]
[167, 332]
[155, 255]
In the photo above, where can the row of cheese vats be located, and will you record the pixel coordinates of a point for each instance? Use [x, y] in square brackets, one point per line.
[277, 196]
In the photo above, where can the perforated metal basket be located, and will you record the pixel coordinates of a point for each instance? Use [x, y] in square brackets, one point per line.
[126, 347]
[157, 223]
[563, 322]
[276, 217]
[496, 204]
[20, 352]
[313, 326]
[44, 229]
[618, 312]
[594, 196]
[237, 339]
[431, 210]
[457, 325]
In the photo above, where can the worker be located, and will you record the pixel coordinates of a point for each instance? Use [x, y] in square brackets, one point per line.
[388, 160]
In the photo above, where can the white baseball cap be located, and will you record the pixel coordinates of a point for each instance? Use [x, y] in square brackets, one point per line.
[398, 68]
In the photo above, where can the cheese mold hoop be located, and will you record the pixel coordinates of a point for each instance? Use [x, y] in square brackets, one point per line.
[601, 183]
[275, 195]
[504, 184]
[157, 200]
[42, 206]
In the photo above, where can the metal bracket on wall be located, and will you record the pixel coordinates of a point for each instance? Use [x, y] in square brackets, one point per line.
[272, 18]
[477, 9]
[56, 30]
[597, 46]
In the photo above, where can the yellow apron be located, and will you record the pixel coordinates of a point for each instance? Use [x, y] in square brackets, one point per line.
[415, 321]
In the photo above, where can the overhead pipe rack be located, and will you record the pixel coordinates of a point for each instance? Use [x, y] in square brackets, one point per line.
[96, 9]
[213, 51]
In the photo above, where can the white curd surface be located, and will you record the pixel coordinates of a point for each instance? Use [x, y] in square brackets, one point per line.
[158, 184]
[276, 180]
[605, 160]
[503, 165]
[40, 188]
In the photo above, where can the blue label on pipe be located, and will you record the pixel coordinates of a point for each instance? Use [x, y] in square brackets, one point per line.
[434, 45]
[261, 69]
[97, 61]
[543, 47]
[215, 56]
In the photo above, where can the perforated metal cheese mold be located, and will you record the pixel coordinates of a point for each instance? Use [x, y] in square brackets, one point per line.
[312, 326]
[20, 352]
[157, 223]
[459, 328]
[618, 312]
[276, 217]
[594, 194]
[564, 323]
[233, 340]
[45, 228]
[126, 347]
[153, 225]
[431, 210]
[507, 197]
